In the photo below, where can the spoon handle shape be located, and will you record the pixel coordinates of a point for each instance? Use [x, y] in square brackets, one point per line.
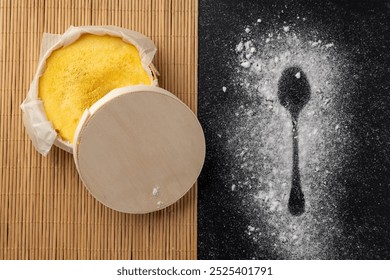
[296, 202]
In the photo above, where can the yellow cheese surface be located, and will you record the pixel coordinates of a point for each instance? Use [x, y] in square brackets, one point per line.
[78, 75]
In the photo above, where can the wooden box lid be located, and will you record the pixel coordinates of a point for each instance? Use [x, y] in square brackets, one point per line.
[139, 149]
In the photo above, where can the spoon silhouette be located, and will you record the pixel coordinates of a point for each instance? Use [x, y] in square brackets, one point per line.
[293, 94]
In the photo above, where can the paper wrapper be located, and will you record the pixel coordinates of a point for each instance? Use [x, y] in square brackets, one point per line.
[38, 127]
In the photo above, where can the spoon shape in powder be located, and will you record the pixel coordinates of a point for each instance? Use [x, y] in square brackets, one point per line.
[293, 94]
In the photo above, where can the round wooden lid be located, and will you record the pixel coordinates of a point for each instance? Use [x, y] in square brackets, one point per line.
[139, 149]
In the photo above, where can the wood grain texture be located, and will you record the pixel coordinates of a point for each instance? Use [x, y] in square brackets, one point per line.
[45, 211]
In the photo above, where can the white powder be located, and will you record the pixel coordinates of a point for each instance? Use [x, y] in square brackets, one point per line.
[160, 204]
[247, 30]
[240, 47]
[260, 138]
[156, 191]
[248, 45]
[224, 89]
[327, 46]
[246, 64]
[315, 44]
[251, 228]
[283, 239]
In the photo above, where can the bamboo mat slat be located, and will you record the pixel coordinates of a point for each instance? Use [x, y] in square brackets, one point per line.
[45, 211]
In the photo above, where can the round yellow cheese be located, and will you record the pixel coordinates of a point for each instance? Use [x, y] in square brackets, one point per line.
[78, 75]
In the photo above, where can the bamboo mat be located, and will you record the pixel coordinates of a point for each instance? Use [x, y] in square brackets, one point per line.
[45, 211]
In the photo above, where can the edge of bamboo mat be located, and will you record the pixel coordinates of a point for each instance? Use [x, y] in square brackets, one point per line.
[45, 211]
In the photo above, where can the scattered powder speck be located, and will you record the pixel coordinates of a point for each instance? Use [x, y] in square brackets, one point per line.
[259, 20]
[298, 75]
[224, 89]
[160, 204]
[329, 45]
[286, 28]
[315, 44]
[248, 45]
[247, 30]
[156, 191]
[240, 47]
[246, 64]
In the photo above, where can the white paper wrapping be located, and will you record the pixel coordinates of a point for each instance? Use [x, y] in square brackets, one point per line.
[38, 127]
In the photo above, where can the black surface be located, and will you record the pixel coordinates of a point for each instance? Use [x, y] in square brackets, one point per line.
[363, 28]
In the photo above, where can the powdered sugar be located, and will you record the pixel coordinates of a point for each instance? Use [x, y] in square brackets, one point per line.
[262, 142]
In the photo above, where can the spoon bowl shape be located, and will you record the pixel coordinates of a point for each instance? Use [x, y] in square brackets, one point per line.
[293, 90]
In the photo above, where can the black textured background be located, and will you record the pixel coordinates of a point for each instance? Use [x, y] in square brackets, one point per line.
[363, 27]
